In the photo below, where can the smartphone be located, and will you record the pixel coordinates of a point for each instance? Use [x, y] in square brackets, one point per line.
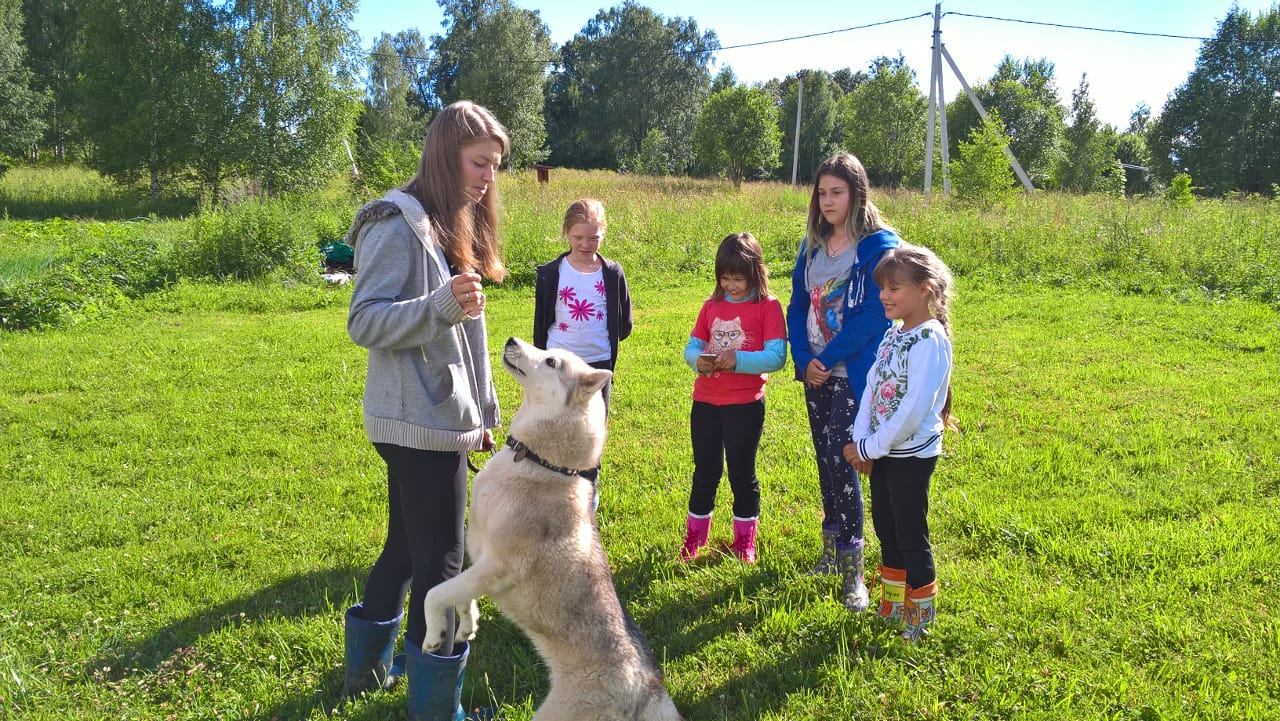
[708, 356]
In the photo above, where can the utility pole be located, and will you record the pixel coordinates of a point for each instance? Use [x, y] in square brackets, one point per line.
[937, 111]
[795, 153]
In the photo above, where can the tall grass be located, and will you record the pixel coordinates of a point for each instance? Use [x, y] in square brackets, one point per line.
[38, 192]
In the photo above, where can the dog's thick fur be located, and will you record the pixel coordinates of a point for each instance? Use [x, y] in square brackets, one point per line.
[536, 552]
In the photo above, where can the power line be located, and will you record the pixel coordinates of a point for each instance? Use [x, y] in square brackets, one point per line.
[709, 50]
[1078, 27]
[828, 32]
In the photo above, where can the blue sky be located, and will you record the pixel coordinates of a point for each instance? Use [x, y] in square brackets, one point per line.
[1122, 69]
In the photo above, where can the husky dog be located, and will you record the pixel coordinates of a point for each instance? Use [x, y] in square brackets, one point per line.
[535, 551]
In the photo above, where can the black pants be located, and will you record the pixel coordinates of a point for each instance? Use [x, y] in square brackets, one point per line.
[426, 500]
[593, 474]
[899, 511]
[726, 434]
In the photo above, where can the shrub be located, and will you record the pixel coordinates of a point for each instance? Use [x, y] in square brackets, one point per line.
[982, 176]
[1179, 191]
[251, 242]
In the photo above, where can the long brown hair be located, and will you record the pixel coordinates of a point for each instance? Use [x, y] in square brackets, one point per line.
[863, 218]
[466, 230]
[740, 254]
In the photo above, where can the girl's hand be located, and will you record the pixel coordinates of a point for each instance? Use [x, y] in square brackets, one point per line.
[727, 360]
[815, 374]
[487, 444]
[706, 364]
[467, 291]
[855, 459]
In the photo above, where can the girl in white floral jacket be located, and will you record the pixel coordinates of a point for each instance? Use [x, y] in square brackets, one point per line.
[897, 435]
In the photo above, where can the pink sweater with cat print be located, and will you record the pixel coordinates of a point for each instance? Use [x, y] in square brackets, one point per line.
[744, 327]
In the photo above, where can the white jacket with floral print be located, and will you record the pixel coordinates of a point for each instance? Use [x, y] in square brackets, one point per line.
[901, 409]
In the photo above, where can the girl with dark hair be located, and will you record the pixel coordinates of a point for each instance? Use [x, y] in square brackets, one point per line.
[738, 339]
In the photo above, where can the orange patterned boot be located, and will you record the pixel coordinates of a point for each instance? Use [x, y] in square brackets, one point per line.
[893, 592]
[918, 611]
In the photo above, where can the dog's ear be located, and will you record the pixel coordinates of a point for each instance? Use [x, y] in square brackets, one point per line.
[590, 383]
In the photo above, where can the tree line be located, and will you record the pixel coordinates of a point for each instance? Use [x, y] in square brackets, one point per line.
[202, 96]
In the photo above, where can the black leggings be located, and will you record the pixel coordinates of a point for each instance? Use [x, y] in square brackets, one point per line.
[900, 513]
[726, 435]
[426, 500]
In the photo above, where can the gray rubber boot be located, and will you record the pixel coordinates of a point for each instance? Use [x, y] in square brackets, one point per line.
[856, 596]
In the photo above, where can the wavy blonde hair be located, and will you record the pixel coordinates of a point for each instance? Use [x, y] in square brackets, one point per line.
[917, 265]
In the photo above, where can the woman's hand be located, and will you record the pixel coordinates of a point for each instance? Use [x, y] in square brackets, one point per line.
[487, 444]
[726, 360]
[815, 374]
[467, 291]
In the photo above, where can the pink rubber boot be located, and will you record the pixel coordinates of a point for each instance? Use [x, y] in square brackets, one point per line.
[696, 530]
[744, 539]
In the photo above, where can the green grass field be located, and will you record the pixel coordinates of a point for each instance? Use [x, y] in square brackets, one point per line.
[187, 501]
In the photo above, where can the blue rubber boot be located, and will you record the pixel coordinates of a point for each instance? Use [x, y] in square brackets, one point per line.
[435, 683]
[368, 646]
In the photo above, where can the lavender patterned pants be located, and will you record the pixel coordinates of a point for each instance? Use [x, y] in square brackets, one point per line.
[832, 408]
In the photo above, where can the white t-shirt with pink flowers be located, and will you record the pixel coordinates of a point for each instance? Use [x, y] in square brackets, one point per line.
[901, 410]
[581, 325]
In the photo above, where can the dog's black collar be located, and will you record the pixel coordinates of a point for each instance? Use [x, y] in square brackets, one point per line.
[523, 452]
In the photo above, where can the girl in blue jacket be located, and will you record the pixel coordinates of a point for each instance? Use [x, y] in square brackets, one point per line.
[834, 322]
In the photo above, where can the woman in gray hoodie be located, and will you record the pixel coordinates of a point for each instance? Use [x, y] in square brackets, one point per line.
[418, 306]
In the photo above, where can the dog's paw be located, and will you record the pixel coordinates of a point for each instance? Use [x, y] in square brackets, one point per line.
[468, 620]
[433, 641]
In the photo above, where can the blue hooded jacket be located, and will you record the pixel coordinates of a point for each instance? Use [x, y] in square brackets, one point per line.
[863, 324]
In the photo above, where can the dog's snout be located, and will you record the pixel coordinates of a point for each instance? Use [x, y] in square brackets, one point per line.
[511, 343]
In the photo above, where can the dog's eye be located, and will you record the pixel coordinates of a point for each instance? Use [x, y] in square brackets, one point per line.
[551, 362]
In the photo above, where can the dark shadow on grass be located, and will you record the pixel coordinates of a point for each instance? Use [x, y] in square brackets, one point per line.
[684, 626]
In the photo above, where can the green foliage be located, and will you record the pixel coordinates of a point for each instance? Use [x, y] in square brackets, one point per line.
[1131, 149]
[99, 267]
[1179, 191]
[1085, 155]
[627, 72]
[981, 175]
[819, 137]
[69, 191]
[295, 100]
[55, 47]
[738, 133]
[22, 106]
[884, 123]
[390, 113]
[140, 99]
[385, 163]
[462, 67]
[654, 157]
[1024, 94]
[1221, 125]
[1114, 182]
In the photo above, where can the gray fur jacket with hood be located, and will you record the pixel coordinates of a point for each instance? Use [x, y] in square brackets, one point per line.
[429, 384]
